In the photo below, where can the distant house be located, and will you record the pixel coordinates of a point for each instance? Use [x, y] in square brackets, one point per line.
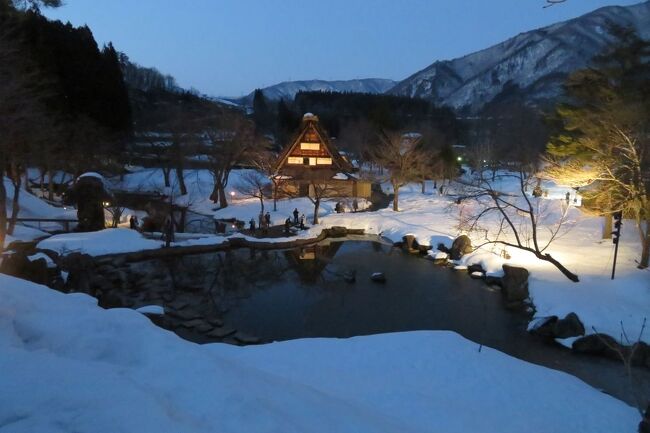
[311, 159]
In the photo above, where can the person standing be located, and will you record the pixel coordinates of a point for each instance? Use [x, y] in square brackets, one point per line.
[355, 205]
[267, 218]
[568, 197]
[295, 216]
[132, 222]
[302, 222]
[287, 225]
[251, 225]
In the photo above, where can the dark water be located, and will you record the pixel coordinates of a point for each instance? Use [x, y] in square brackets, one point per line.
[281, 295]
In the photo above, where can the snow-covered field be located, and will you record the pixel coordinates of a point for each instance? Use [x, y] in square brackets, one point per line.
[68, 365]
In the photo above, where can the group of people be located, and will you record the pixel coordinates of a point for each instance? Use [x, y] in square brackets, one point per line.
[298, 221]
[263, 222]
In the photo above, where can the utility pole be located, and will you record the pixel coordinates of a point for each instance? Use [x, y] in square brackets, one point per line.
[618, 221]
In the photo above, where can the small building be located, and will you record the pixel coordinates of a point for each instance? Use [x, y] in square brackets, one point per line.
[311, 160]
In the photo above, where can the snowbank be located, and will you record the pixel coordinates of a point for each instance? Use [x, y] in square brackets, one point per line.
[69, 365]
[117, 241]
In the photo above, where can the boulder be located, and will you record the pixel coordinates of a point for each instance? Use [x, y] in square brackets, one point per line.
[515, 283]
[570, 326]
[378, 277]
[597, 344]
[20, 266]
[462, 245]
[410, 244]
[350, 277]
[544, 326]
[640, 354]
[338, 232]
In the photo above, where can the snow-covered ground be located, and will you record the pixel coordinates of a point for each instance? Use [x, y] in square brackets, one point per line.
[68, 365]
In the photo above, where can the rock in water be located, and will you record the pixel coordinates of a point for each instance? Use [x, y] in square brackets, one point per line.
[350, 277]
[597, 344]
[462, 245]
[570, 326]
[515, 283]
[378, 277]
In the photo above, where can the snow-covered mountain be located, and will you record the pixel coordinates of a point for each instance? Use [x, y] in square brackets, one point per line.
[288, 89]
[536, 61]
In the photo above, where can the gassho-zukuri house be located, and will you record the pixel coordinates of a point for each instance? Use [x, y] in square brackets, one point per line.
[311, 159]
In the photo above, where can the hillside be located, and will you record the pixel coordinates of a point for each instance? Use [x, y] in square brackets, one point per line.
[535, 62]
[287, 90]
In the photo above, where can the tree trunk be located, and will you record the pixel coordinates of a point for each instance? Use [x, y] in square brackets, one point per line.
[316, 208]
[50, 184]
[28, 186]
[223, 200]
[16, 179]
[262, 201]
[607, 227]
[181, 180]
[395, 198]
[645, 245]
[423, 187]
[3, 211]
[181, 221]
[166, 177]
[42, 182]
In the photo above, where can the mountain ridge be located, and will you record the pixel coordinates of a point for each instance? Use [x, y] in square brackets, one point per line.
[528, 60]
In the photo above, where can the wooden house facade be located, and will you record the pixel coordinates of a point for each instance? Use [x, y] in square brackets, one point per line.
[311, 159]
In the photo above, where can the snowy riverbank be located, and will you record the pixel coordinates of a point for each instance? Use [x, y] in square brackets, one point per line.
[71, 366]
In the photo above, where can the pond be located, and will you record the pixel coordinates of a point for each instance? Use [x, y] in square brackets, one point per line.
[301, 293]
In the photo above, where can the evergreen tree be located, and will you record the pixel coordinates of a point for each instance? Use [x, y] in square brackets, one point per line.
[603, 142]
[261, 112]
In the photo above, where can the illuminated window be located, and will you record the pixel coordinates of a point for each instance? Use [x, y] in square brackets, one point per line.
[309, 146]
[312, 161]
[294, 160]
[324, 161]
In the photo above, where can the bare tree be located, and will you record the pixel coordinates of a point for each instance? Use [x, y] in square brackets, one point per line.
[229, 143]
[318, 190]
[253, 184]
[516, 220]
[265, 162]
[401, 154]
